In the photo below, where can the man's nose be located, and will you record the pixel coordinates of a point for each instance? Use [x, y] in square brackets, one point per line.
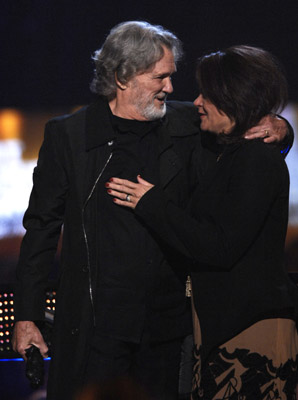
[168, 87]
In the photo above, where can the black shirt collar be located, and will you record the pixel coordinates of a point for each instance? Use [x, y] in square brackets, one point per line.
[140, 128]
[100, 127]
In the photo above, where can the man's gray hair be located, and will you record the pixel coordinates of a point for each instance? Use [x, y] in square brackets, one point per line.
[131, 48]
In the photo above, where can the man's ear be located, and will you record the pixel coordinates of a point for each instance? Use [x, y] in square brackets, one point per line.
[119, 84]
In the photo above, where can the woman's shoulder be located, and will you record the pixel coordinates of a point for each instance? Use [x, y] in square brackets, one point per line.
[260, 152]
[254, 158]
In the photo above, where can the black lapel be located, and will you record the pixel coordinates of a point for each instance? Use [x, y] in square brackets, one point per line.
[99, 129]
[169, 162]
[176, 124]
[95, 135]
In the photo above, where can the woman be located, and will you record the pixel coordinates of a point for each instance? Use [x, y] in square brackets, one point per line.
[245, 306]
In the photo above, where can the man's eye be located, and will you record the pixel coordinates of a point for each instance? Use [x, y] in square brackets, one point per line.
[163, 77]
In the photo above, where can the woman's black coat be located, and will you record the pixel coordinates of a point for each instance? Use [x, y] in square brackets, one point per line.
[234, 233]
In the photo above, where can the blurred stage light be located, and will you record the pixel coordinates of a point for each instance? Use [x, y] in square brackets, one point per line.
[7, 320]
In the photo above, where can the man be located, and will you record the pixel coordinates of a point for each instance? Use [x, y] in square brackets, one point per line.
[121, 305]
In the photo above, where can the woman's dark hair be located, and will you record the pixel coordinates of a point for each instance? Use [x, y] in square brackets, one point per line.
[244, 82]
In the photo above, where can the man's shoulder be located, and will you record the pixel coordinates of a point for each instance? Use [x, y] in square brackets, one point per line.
[182, 118]
[67, 128]
[72, 118]
[182, 107]
[184, 110]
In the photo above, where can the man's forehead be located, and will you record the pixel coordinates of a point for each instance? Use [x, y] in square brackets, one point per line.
[165, 65]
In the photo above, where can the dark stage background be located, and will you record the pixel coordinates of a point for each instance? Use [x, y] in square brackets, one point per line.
[47, 44]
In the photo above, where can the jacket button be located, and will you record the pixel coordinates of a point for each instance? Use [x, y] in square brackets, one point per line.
[85, 268]
[75, 331]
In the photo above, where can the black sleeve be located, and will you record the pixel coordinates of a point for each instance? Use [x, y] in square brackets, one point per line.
[287, 143]
[257, 179]
[43, 221]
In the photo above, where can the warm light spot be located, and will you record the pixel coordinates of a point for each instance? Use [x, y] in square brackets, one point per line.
[10, 124]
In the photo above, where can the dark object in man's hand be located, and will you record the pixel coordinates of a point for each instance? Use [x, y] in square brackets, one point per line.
[35, 362]
[34, 367]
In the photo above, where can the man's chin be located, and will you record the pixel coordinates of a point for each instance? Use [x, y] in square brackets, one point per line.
[153, 113]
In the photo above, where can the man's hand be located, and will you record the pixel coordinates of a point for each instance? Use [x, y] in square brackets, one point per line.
[271, 128]
[26, 334]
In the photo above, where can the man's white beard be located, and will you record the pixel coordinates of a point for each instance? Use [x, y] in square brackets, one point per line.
[146, 107]
[151, 112]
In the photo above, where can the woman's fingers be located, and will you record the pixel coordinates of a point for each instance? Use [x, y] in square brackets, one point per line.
[121, 185]
[120, 195]
[143, 182]
[124, 187]
[123, 199]
[125, 203]
[123, 182]
[127, 193]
